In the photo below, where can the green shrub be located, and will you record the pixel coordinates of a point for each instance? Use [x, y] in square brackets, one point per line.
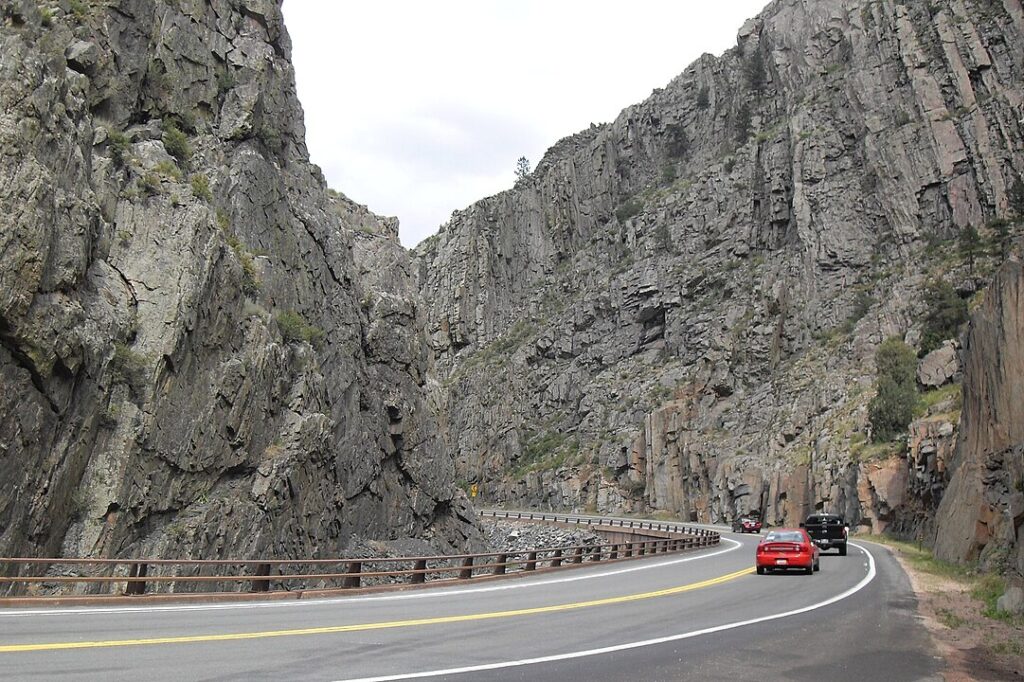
[896, 360]
[703, 101]
[677, 143]
[970, 245]
[755, 71]
[79, 8]
[128, 367]
[119, 146]
[862, 303]
[945, 312]
[629, 209]
[201, 187]
[176, 142]
[891, 410]
[168, 170]
[295, 329]
[741, 125]
[46, 16]
[895, 401]
[149, 184]
[1015, 195]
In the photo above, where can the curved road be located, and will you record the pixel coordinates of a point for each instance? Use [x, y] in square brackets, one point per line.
[703, 616]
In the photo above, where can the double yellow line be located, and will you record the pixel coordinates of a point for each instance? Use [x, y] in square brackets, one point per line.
[54, 646]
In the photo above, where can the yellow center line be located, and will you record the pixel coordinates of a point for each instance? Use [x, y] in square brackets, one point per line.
[52, 646]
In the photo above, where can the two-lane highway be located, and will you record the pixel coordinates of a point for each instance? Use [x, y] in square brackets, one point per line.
[694, 616]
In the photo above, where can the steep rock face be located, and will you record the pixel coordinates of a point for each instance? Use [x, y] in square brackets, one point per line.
[982, 512]
[187, 367]
[679, 310]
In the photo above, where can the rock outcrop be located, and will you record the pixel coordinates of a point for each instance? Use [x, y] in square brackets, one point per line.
[192, 360]
[679, 310]
[982, 512]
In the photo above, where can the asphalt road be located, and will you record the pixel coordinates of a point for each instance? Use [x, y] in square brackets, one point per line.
[700, 616]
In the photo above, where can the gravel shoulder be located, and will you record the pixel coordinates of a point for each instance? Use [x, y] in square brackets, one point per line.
[974, 646]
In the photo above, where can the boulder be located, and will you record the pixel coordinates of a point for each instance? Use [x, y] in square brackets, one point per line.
[939, 367]
[1012, 601]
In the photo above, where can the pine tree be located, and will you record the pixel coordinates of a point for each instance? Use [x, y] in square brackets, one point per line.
[522, 169]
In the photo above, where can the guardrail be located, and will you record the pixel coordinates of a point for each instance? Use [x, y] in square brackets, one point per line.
[132, 577]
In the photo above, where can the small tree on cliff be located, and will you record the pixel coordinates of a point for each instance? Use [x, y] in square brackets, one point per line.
[1016, 198]
[970, 246]
[522, 169]
[892, 408]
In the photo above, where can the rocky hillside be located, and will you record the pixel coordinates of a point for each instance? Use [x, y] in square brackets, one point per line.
[192, 362]
[680, 310]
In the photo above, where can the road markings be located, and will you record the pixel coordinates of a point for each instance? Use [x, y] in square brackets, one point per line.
[426, 593]
[361, 627]
[632, 645]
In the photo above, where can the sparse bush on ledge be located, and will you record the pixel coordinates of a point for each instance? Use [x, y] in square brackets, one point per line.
[295, 329]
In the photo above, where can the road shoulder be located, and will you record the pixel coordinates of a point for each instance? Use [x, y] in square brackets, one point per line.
[973, 646]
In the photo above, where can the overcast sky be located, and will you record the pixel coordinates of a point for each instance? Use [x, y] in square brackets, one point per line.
[419, 108]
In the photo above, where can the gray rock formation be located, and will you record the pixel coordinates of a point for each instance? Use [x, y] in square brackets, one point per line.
[939, 367]
[982, 512]
[678, 310]
[190, 362]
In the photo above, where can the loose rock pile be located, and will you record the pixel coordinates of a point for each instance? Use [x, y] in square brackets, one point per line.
[519, 536]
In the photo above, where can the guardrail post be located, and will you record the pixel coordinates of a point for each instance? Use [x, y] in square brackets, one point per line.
[136, 586]
[577, 556]
[614, 554]
[467, 568]
[597, 553]
[531, 562]
[420, 576]
[261, 585]
[352, 579]
[502, 561]
[556, 559]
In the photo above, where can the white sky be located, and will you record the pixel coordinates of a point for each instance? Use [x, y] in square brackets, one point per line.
[420, 108]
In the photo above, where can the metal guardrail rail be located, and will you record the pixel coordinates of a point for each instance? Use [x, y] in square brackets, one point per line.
[128, 577]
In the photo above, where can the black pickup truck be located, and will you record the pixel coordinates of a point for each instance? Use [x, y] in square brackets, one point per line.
[827, 531]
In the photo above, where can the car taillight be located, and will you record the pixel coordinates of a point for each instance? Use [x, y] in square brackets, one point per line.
[761, 549]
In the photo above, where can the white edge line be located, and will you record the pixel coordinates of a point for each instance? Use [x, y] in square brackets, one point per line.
[632, 645]
[342, 599]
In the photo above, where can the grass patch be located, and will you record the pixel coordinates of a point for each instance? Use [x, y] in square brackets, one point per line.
[295, 329]
[627, 210]
[201, 187]
[929, 399]
[950, 619]
[176, 143]
[1008, 648]
[921, 559]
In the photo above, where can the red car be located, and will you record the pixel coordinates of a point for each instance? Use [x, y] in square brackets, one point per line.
[747, 524]
[787, 548]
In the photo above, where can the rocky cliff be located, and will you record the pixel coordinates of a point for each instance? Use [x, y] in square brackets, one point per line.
[679, 310]
[193, 361]
[982, 511]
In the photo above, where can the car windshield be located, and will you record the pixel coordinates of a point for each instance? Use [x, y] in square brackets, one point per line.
[784, 536]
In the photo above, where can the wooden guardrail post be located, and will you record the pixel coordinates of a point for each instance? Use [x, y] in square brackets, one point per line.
[556, 558]
[467, 568]
[420, 575]
[352, 579]
[577, 555]
[531, 562]
[136, 586]
[502, 562]
[261, 585]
